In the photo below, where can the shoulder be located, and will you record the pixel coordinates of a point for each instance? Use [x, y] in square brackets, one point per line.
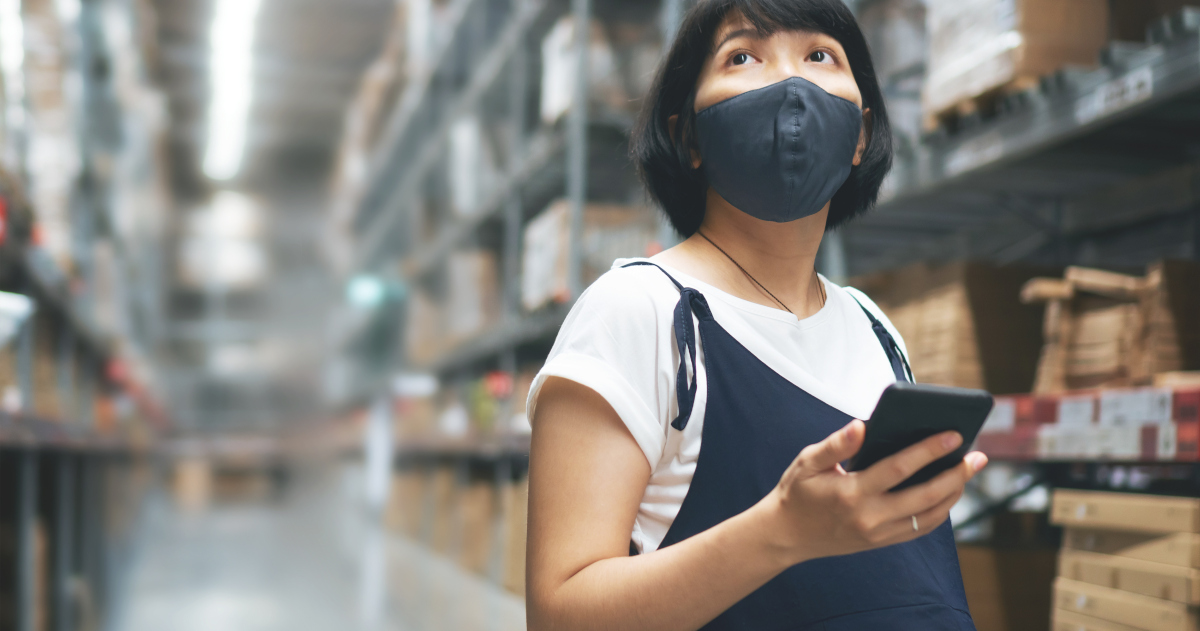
[868, 304]
[635, 294]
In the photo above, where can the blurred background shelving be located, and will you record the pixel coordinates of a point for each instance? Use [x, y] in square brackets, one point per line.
[494, 186]
[276, 277]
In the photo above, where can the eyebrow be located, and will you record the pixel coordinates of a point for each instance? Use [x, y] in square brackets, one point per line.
[743, 32]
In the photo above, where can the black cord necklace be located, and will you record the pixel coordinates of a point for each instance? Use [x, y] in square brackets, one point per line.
[755, 280]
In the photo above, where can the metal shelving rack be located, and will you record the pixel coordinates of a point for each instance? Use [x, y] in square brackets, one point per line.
[1051, 175]
[69, 493]
[489, 62]
[485, 62]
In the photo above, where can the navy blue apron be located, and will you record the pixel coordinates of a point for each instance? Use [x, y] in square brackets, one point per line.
[755, 423]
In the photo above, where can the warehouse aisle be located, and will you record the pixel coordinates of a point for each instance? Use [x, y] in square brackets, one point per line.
[307, 561]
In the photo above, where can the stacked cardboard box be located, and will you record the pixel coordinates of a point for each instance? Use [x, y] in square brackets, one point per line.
[424, 332]
[619, 55]
[472, 293]
[1007, 589]
[477, 523]
[609, 232]
[962, 323]
[1128, 562]
[407, 503]
[1130, 424]
[1109, 330]
[979, 48]
[46, 392]
[516, 506]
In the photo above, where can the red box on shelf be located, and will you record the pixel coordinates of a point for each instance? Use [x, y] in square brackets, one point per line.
[1024, 406]
[1187, 441]
[1019, 444]
[1045, 410]
[1185, 406]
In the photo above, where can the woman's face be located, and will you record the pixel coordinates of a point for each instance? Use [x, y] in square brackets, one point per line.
[743, 60]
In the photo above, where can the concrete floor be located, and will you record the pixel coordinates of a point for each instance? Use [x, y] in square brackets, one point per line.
[311, 560]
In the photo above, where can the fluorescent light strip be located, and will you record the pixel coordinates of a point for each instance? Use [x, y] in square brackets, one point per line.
[231, 48]
[12, 60]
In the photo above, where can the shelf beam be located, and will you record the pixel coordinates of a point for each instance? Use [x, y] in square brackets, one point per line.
[400, 199]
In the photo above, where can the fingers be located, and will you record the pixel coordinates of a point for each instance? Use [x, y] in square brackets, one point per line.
[840, 445]
[916, 499]
[894, 469]
[928, 520]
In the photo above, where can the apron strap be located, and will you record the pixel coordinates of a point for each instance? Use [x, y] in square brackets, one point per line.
[685, 341]
[895, 356]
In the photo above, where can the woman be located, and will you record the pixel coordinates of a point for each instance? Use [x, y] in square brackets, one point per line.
[689, 422]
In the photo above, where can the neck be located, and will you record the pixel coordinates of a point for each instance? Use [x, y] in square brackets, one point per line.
[781, 256]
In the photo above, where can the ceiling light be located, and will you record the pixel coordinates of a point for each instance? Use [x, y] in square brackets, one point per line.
[231, 47]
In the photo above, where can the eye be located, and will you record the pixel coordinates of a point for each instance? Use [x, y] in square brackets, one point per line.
[741, 59]
[821, 57]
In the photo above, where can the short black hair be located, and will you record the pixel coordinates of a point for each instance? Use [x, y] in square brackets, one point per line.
[665, 163]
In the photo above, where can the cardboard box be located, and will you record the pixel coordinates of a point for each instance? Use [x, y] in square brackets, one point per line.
[516, 507]
[193, 484]
[472, 293]
[609, 232]
[1065, 620]
[445, 509]
[1180, 548]
[406, 505]
[1105, 603]
[1160, 580]
[559, 71]
[478, 515]
[964, 325]
[1187, 442]
[1125, 511]
[978, 47]
[1185, 406]
[1107, 330]
[1007, 589]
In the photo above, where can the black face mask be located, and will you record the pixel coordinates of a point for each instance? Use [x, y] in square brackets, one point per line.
[779, 153]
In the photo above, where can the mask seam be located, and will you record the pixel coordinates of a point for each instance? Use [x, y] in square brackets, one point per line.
[795, 157]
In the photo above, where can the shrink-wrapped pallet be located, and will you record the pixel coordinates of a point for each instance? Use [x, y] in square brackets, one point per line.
[609, 232]
[982, 47]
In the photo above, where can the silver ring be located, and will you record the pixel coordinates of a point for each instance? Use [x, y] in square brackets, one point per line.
[915, 526]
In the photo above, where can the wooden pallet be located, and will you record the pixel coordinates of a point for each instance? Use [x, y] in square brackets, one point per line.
[983, 105]
[1112, 330]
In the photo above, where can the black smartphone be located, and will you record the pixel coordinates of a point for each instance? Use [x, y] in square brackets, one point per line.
[908, 413]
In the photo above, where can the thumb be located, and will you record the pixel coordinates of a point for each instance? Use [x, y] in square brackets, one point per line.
[839, 446]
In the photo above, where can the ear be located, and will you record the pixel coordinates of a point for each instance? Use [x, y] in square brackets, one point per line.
[864, 134]
[672, 121]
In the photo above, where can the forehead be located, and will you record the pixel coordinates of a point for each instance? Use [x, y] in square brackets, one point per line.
[736, 21]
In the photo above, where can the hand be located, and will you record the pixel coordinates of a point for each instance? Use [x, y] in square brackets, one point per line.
[819, 509]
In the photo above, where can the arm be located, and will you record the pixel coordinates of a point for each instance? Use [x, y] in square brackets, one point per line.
[587, 477]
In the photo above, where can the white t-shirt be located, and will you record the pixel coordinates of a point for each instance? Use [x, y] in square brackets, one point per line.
[618, 340]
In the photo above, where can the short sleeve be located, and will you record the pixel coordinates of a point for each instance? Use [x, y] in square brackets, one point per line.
[613, 341]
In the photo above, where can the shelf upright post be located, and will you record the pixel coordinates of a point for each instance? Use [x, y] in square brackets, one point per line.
[65, 370]
[669, 20]
[27, 492]
[577, 145]
[25, 363]
[518, 103]
[64, 538]
[833, 257]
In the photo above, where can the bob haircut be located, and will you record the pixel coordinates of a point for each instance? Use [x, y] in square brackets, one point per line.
[665, 164]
